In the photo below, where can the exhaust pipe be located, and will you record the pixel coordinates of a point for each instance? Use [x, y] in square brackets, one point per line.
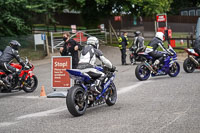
[195, 61]
[149, 67]
[2, 83]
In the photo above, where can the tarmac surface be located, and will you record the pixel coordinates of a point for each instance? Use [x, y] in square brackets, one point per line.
[158, 105]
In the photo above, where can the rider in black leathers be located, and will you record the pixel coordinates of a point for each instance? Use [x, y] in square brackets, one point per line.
[8, 55]
[154, 44]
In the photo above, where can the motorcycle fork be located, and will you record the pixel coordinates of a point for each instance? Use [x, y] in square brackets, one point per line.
[105, 88]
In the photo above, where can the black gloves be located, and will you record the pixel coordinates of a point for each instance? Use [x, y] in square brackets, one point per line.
[113, 69]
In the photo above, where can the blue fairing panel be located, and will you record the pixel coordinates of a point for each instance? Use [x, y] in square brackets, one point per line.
[76, 74]
[99, 68]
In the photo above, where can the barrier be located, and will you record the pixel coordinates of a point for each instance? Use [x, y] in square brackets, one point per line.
[80, 36]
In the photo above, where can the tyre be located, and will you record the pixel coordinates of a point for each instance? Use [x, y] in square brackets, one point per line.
[30, 84]
[76, 101]
[142, 72]
[174, 69]
[188, 66]
[112, 95]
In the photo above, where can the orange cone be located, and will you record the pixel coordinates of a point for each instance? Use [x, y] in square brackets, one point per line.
[42, 93]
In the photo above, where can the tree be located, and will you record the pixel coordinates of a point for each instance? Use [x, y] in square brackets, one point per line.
[177, 5]
[46, 7]
[93, 10]
[13, 18]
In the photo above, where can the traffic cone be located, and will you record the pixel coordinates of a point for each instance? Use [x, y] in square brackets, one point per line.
[42, 93]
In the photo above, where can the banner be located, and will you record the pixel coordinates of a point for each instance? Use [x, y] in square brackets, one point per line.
[59, 76]
[161, 18]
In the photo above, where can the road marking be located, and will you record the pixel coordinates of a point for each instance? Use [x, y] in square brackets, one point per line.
[175, 119]
[62, 108]
[132, 87]
[44, 113]
[5, 124]
[28, 97]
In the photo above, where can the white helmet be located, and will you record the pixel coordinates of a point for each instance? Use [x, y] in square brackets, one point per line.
[160, 35]
[93, 41]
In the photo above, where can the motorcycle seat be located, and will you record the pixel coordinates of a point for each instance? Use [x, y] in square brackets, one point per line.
[94, 75]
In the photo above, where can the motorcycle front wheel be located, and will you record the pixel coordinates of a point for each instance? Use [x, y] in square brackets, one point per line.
[174, 69]
[112, 95]
[76, 101]
[142, 72]
[30, 84]
[188, 66]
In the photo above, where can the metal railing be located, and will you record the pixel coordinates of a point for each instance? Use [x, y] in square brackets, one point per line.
[57, 41]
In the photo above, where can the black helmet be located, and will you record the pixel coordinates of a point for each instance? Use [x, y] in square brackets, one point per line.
[15, 44]
[137, 33]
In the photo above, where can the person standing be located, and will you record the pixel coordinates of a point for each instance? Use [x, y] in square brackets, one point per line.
[123, 42]
[70, 48]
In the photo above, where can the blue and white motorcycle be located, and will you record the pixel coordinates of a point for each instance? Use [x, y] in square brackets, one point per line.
[87, 92]
[170, 66]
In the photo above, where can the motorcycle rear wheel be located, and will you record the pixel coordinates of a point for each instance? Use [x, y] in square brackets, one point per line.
[112, 96]
[188, 66]
[30, 84]
[142, 72]
[76, 103]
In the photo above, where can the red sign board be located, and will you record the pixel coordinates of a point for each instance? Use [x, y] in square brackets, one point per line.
[80, 37]
[117, 18]
[59, 76]
[161, 18]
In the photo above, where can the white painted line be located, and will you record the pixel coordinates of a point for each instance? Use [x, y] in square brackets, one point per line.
[5, 124]
[132, 87]
[27, 97]
[44, 113]
[63, 108]
[175, 119]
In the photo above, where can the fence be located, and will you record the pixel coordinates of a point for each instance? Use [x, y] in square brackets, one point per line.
[180, 40]
[27, 46]
[80, 36]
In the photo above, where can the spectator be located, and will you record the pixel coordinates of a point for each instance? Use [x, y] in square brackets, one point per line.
[70, 48]
[123, 42]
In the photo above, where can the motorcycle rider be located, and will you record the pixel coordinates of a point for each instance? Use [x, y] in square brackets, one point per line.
[137, 46]
[9, 53]
[197, 45]
[153, 46]
[88, 57]
[138, 41]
